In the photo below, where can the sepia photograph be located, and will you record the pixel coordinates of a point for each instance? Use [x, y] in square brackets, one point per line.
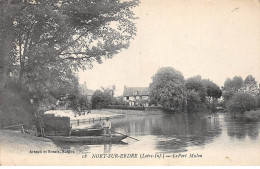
[129, 82]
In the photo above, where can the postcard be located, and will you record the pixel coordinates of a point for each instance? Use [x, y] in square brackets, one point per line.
[129, 83]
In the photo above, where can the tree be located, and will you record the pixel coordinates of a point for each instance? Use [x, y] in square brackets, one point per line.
[237, 85]
[100, 99]
[72, 32]
[241, 102]
[213, 93]
[78, 103]
[193, 101]
[204, 88]
[43, 42]
[231, 87]
[109, 90]
[167, 88]
[249, 86]
[196, 84]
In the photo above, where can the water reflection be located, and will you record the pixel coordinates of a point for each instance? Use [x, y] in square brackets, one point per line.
[170, 133]
[176, 132]
[240, 126]
[107, 148]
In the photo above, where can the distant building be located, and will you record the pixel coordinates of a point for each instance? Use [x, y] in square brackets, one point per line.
[87, 92]
[136, 96]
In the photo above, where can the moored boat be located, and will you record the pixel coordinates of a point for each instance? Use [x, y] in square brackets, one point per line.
[87, 132]
[88, 139]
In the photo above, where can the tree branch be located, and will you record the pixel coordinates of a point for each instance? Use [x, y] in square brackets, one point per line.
[77, 58]
[74, 53]
[71, 43]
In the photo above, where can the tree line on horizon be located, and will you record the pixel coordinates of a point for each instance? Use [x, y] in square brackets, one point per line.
[173, 92]
[170, 90]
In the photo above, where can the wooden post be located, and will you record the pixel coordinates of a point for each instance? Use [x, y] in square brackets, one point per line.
[78, 122]
[93, 120]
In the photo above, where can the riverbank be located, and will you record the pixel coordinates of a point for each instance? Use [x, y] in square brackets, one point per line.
[95, 114]
[93, 119]
[254, 114]
[133, 112]
[16, 142]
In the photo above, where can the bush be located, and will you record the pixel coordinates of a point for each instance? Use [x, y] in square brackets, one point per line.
[100, 99]
[241, 102]
[15, 108]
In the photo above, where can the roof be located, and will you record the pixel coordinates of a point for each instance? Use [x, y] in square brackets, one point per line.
[141, 91]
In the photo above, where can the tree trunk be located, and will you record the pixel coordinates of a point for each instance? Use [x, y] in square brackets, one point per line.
[6, 45]
[6, 41]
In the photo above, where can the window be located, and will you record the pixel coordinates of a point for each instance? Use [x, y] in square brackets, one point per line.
[135, 93]
[127, 97]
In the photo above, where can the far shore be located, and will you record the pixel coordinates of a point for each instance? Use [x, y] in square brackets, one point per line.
[132, 112]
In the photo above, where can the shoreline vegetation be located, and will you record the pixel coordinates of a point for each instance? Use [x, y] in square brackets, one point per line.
[253, 114]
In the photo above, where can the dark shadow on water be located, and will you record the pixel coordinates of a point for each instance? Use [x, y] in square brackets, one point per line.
[187, 130]
[176, 131]
[240, 126]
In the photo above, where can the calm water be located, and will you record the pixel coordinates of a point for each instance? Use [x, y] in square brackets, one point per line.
[178, 133]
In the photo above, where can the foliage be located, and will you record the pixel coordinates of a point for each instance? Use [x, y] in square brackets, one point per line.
[257, 101]
[196, 84]
[206, 90]
[167, 88]
[237, 85]
[78, 103]
[109, 90]
[15, 108]
[233, 85]
[100, 99]
[241, 102]
[212, 89]
[228, 95]
[118, 101]
[249, 86]
[42, 43]
[193, 101]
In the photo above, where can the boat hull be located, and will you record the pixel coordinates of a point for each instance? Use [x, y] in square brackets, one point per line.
[88, 139]
[86, 132]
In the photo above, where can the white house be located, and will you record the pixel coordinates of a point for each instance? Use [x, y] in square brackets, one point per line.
[136, 96]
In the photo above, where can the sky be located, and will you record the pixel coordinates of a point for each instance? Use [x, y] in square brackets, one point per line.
[216, 39]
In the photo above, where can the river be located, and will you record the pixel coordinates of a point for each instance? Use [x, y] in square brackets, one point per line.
[217, 134]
